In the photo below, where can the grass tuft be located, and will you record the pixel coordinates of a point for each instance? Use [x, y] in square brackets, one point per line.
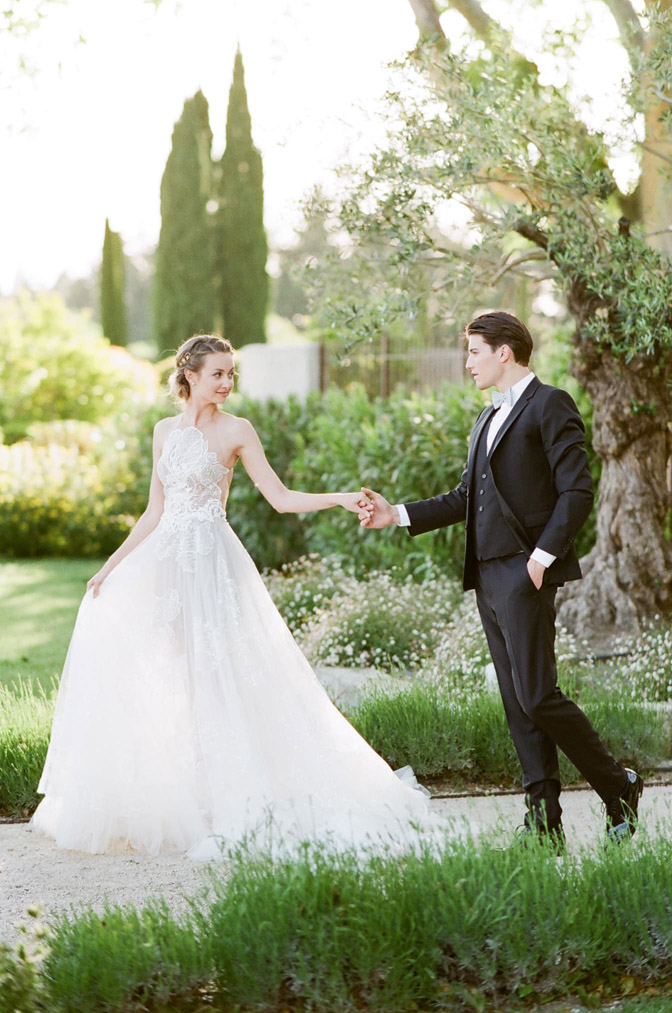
[25, 723]
[439, 733]
[470, 927]
[125, 959]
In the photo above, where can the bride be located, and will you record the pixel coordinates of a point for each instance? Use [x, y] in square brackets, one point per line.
[187, 717]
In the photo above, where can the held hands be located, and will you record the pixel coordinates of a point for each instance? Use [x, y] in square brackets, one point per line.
[355, 502]
[377, 512]
[372, 509]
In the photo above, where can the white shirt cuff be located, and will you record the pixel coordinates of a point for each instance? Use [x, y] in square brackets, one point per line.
[404, 519]
[545, 558]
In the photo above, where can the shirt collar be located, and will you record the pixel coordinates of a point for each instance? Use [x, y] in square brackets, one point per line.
[518, 388]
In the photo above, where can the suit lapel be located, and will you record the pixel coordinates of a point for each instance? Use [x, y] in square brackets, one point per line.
[520, 406]
[479, 425]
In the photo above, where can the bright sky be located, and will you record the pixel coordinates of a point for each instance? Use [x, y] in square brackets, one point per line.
[89, 134]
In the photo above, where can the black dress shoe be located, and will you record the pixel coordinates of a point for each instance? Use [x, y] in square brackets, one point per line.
[622, 809]
[552, 838]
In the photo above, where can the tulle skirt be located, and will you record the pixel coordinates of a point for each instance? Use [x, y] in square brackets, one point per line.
[187, 718]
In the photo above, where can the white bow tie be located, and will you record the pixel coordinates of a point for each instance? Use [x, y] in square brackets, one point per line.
[502, 399]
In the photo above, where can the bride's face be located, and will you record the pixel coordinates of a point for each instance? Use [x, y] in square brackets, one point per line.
[214, 381]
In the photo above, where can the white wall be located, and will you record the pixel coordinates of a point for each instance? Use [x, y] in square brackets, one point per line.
[276, 371]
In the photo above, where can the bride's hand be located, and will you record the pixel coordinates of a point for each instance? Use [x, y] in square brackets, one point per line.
[95, 582]
[355, 502]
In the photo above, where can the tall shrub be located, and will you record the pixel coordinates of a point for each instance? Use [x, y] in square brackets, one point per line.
[242, 246]
[112, 304]
[55, 365]
[184, 291]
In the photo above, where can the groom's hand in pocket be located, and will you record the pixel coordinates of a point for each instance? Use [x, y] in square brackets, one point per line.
[379, 514]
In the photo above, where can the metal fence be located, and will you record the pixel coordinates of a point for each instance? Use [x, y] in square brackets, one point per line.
[382, 368]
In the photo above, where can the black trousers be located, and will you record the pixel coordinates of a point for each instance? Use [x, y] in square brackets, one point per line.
[519, 623]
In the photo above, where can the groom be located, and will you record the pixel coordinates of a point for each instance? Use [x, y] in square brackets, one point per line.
[524, 495]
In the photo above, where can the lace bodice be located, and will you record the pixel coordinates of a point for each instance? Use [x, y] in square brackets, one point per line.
[190, 474]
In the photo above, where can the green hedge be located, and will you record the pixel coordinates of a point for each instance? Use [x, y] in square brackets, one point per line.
[408, 446]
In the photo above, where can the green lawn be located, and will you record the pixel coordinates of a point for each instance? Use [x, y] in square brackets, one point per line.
[38, 605]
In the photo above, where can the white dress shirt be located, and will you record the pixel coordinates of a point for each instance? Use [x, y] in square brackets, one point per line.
[496, 423]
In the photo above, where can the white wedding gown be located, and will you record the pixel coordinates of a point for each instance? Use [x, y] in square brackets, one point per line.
[187, 717]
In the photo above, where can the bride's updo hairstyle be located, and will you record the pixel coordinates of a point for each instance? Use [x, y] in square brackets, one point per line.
[192, 355]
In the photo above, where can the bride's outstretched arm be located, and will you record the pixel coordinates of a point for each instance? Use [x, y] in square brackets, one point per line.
[145, 523]
[282, 499]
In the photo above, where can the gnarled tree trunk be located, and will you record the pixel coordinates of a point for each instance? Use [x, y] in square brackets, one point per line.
[628, 573]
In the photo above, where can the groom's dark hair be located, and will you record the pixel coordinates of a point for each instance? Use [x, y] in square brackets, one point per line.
[499, 329]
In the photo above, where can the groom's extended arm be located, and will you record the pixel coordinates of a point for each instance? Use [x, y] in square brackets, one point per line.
[439, 511]
[564, 442]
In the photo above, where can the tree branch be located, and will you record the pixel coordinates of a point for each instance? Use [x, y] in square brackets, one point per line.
[488, 29]
[427, 20]
[429, 25]
[531, 232]
[629, 26]
[510, 265]
[652, 151]
[473, 13]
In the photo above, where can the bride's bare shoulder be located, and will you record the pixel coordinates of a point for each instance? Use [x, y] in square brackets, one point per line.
[162, 428]
[164, 425]
[234, 425]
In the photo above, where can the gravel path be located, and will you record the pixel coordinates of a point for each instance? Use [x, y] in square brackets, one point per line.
[33, 871]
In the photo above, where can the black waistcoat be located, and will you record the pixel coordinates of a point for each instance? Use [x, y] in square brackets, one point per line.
[492, 536]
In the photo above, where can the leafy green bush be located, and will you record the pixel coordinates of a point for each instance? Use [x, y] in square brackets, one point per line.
[380, 621]
[386, 620]
[306, 586]
[409, 446]
[55, 365]
[56, 502]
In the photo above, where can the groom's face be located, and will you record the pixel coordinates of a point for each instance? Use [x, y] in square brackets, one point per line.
[484, 362]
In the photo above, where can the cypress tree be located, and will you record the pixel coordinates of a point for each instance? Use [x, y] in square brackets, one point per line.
[112, 304]
[242, 247]
[184, 289]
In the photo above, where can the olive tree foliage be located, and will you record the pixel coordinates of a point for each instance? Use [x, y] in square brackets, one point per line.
[538, 199]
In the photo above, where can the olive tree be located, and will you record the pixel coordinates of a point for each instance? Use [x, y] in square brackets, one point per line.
[480, 130]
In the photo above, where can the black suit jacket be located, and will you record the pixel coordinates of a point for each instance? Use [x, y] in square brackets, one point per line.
[540, 469]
